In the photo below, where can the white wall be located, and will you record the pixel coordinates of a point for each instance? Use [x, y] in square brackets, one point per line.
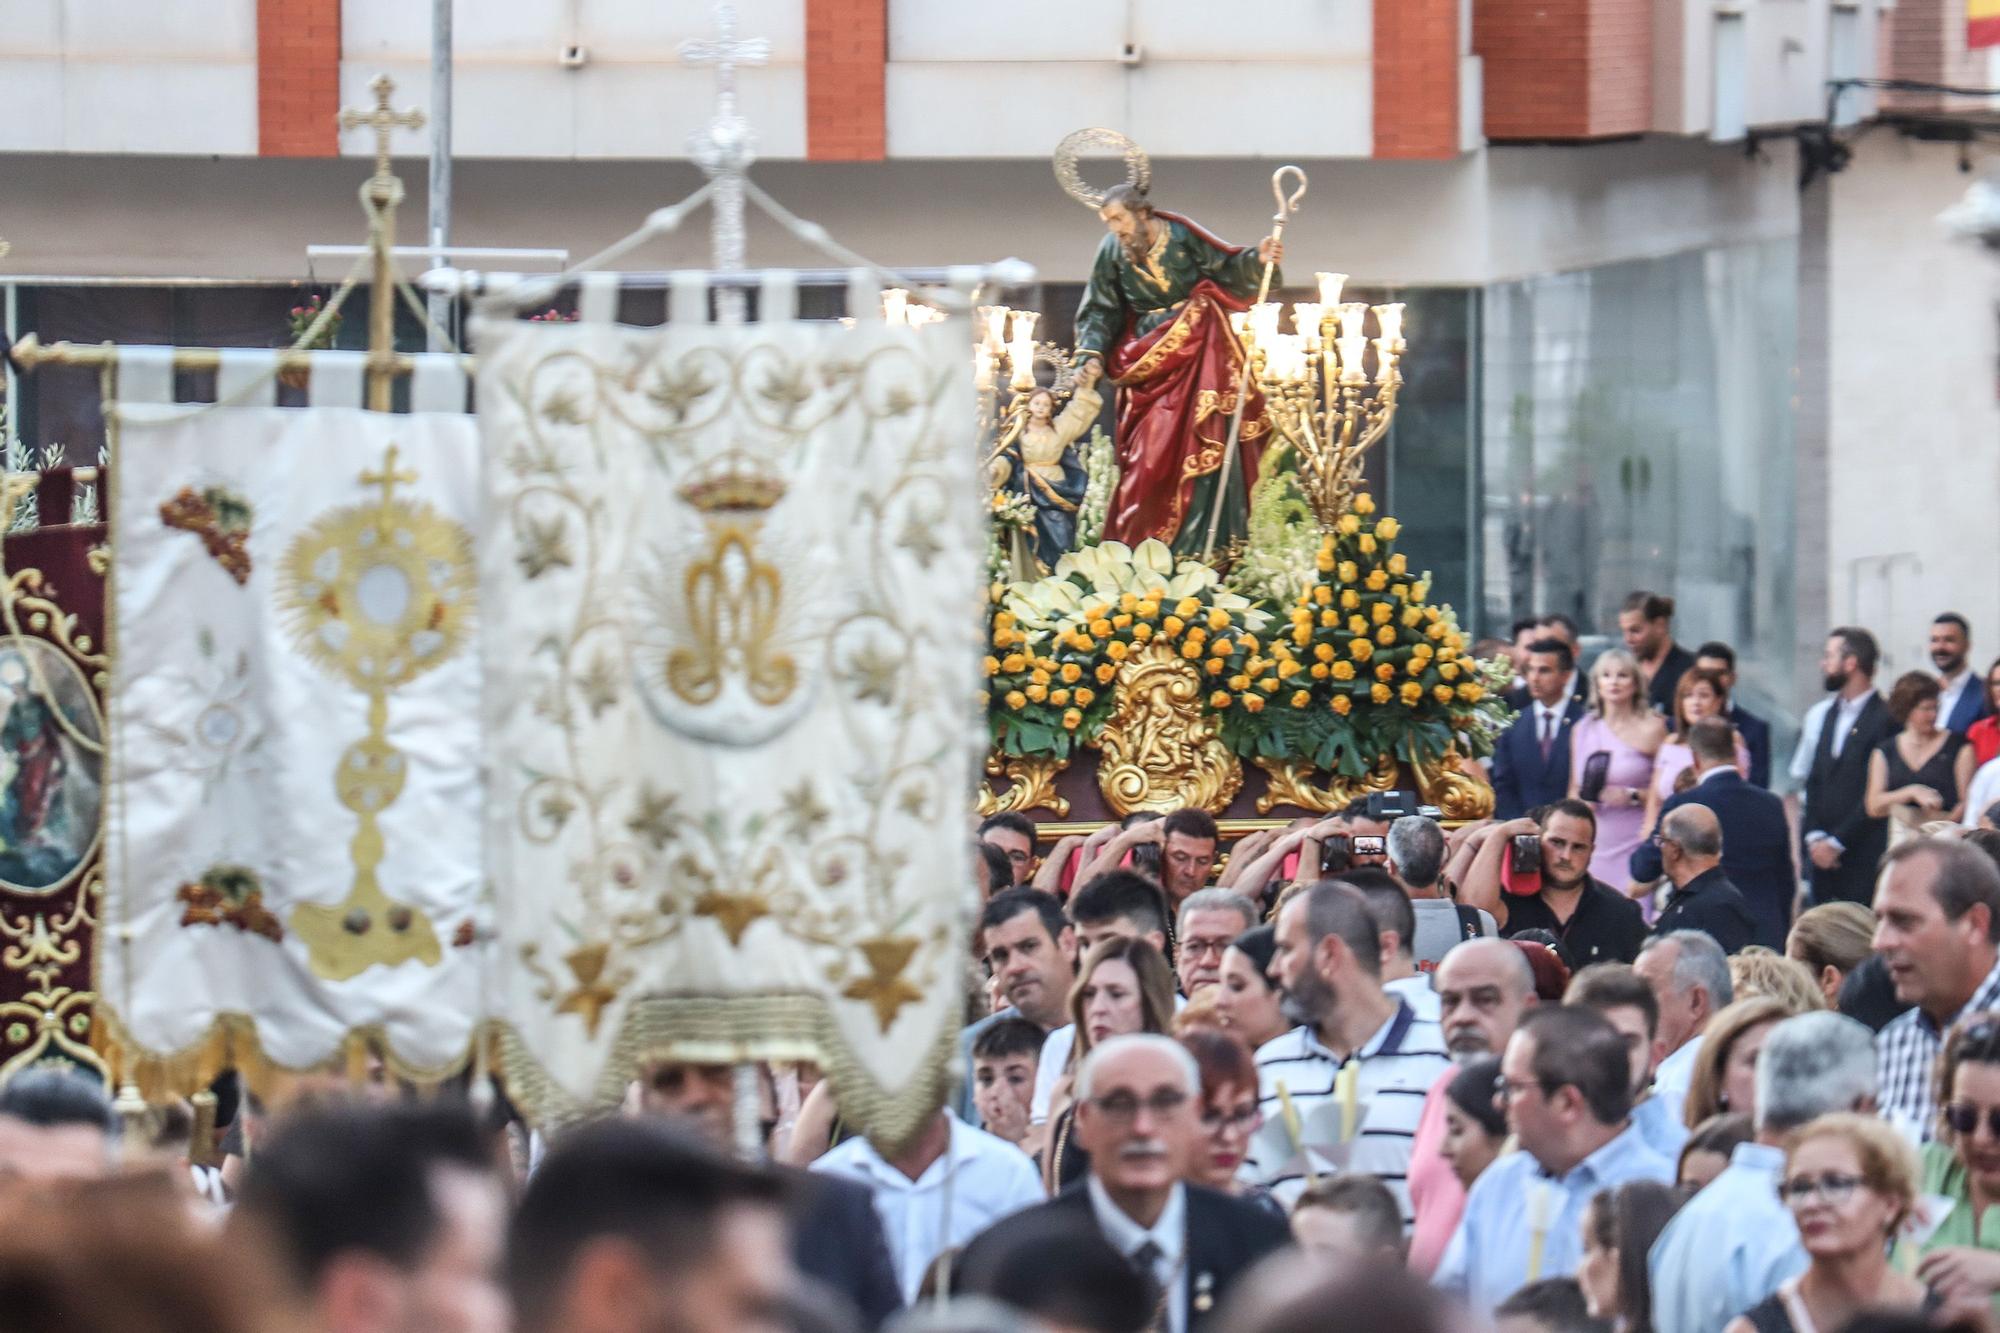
[1788, 53]
[1915, 421]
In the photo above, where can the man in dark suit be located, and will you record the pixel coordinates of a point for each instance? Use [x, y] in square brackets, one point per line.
[1842, 844]
[1138, 1115]
[1646, 622]
[1756, 840]
[1690, 842]
[1755, 731]
[1531, 759]
[1962, 694]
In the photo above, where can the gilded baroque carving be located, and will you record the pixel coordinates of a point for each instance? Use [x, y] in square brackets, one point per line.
[1161, 750]
[1292, 784]
[1034, 785]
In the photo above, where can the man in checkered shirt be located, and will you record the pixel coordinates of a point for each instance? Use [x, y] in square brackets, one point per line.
[1937, 920]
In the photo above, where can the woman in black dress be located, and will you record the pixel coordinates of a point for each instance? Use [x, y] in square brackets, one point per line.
[1849, 1181]
[1920, 773]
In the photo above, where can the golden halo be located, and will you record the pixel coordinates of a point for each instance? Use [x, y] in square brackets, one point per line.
[1138, 167]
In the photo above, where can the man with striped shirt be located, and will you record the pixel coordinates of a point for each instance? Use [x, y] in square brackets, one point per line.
[1345, 1089]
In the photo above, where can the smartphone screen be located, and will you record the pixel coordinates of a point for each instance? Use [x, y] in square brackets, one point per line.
[1370, 844]
[1525, 856]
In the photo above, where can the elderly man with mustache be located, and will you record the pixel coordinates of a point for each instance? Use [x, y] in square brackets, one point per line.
[1138, 1115]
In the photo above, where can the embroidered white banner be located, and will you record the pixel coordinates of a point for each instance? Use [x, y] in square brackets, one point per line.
[293, 851]
[729, 586]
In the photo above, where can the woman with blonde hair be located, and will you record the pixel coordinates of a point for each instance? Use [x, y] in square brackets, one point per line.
[1759, 971]
[1123, 987]
[1725, 1072]
[1611, 761]
[1849, 1182]
[1831, 940]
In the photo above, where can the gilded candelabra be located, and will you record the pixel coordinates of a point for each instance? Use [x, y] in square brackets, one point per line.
[1323, 397]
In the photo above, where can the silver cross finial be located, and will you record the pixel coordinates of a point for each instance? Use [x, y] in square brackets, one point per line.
[726, 146]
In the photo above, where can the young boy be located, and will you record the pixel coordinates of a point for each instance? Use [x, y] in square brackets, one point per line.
[1003, 1076]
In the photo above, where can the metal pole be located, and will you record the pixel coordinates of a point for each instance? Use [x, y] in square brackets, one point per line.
[440, 182]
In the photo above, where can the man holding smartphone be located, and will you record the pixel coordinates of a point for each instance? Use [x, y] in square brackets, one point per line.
[1535, 875]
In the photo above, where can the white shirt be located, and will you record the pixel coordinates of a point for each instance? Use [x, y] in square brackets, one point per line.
[1676, 1072]
[979, 1179]
[1949, 690]
[1846, 712]
[1549, 722]
[1417, 993]
[1049, 1072]
[1984, 791]
[1809, 729]
[1169, 1234]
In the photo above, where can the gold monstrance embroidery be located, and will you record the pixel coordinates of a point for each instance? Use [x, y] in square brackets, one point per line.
[378, 594]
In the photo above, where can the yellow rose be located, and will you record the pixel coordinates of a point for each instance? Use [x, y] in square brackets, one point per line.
[1357, 624]
[1447, 655]
[1420, 591]
[1364, 503]
[1002, 638]
[1060, 698]
[1128, 601]
[1302, 635]
[1191, 650]
[1324, 652]
[1105, 671]
[1092, 610]
[1401, 592]
[1412, 692]
[1301, 613]
[1342, 705]
[1361, 650]
[1387, 529]
[1253, 703]
[1379, 693]
[1187, 608]
[1249, 642]
[1431, 613]
[1070, 672]
[1437, 630]
[1116, 650]
[1367, 544]
[1269, 685]
[1385, 671]
[1417, 665]
[1323, 595]
[1350, 599]
[1281, 651]
[1121, 621]
[1348, 525]
[1380, 613]
[990, 665]
[1148, 609]
[1239, 682]
[1448, 670]
[1386, 635]
[1319, 671]
[1421, 650]
[1016, 700]
[1217, 665]
[1039, 676]
[1349, 571]
[1329, 618]
[1398, 563]
[1219, 700]
[1083, 696]
[1101, 628]
[1343, 671]
[1412, 617]
[1156, 594]
[1072, 720]
[1442, 693]
[1220, 648]
[1004, 619]
[1142, 631]
[1376, 580]
[1455, 642]
[1471, 691]
[1218, 619]
[1300, 698]
[1288, 669]
[1038, 693]
[1323, 563]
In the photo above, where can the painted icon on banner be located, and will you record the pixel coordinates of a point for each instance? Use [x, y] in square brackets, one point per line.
[50, 786]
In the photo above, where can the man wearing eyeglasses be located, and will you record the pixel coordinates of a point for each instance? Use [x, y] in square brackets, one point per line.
[1734, 1242]
[1564, 1083]
[1210, 921]
[1136, 1115]
[1014, 834]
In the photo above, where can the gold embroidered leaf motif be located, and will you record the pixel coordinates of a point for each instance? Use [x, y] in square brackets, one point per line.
[564, 409]
[803, 811]
[898, 401]
[678, 388]
[785, 392]
[599, 684]
[885, 989]
[734, 912]
[656, 821]
[915, 801]
[557, 809]
[544, 545]
[588, 998]
[874, 674]
[918, 539]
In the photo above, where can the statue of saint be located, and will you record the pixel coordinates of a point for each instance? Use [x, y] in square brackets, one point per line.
[1036, 456]
[1156, 314]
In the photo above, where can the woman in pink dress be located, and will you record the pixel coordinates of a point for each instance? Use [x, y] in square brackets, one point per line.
[1621, 728]
[1700, 694]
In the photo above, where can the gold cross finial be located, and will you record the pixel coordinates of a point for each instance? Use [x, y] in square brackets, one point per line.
[382, 120]
[388, 478]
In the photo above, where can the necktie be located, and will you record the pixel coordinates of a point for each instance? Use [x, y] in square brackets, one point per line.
[1146, 1259]
[1548, 734]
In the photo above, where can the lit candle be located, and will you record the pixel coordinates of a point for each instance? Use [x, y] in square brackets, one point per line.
[982, 362]
[1306, 316]
[1390, 320]
[1021, 351]
[1352, 350]
[1264, 320]
[1353, 321]
[994, 317]
[896, 305]
[1329, 287]
[1385, 362]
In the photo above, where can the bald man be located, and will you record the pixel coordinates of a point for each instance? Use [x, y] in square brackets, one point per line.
[1690, 841]
[1483, 987]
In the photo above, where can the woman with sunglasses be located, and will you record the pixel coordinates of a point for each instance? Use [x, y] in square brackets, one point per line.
[1849, 1182]
[1961, 1259]
[1229, 1115]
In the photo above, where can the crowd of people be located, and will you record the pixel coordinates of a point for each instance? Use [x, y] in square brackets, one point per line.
[1652, 1050]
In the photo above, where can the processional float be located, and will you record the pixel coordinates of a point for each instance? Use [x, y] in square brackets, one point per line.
[615, 725]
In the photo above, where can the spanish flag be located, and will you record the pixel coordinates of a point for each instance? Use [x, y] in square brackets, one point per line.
[1982, 23]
